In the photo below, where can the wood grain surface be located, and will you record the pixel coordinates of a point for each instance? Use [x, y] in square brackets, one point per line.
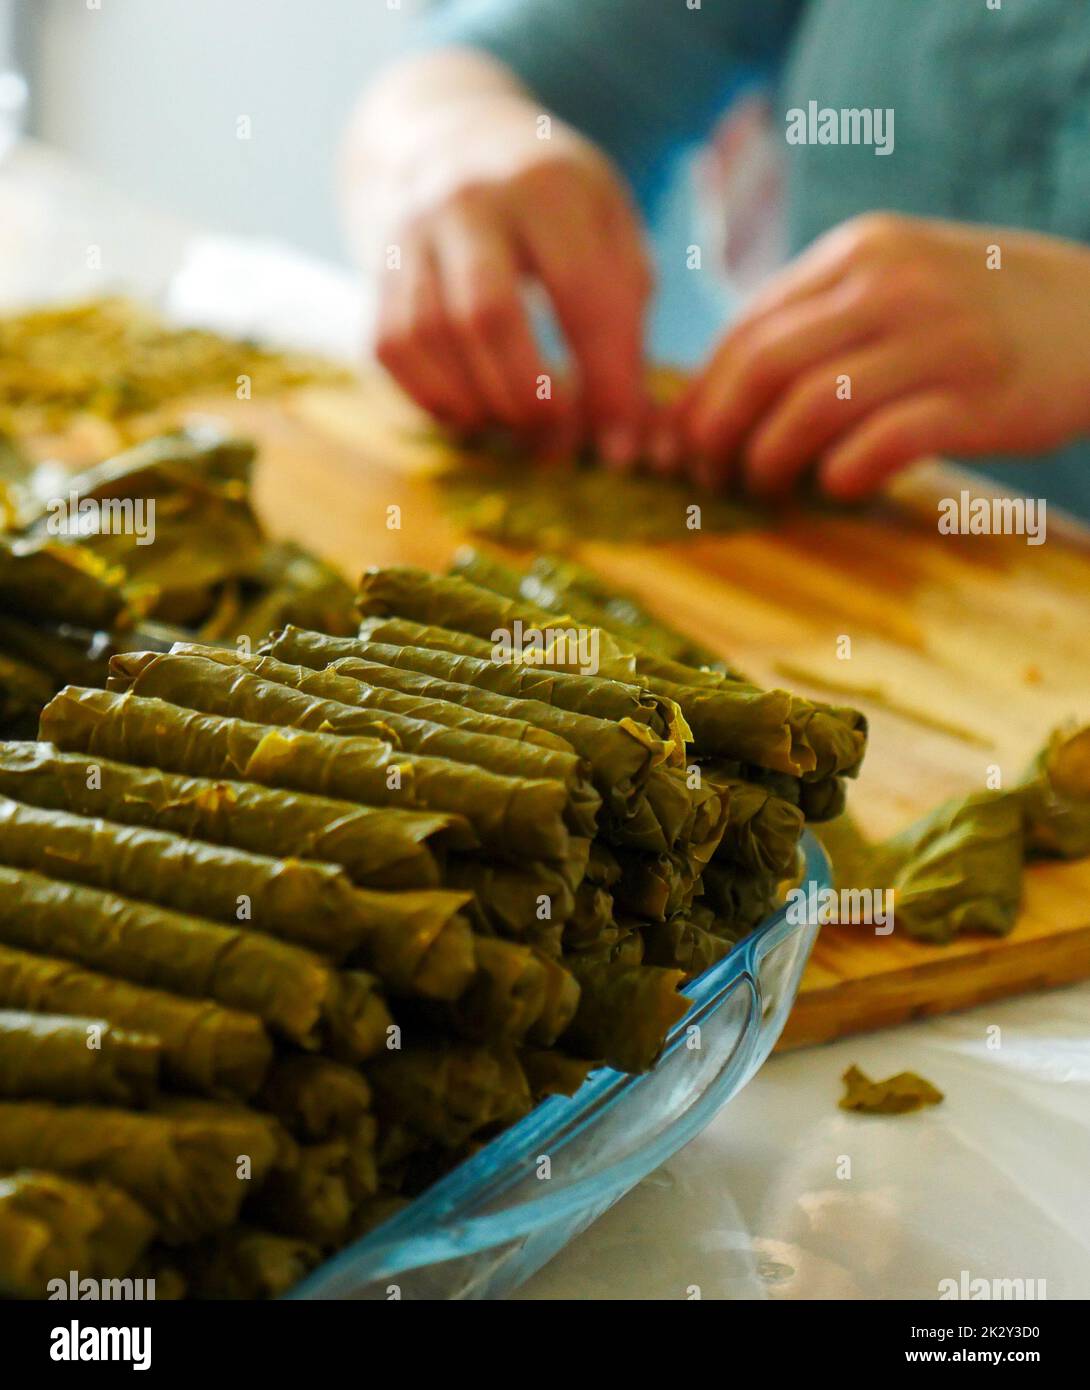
[986, 636]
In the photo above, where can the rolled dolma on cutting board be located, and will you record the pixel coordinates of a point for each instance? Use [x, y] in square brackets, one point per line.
[226, 685]
[514, 815]
[51, 1225]
[291, 989]
[205, 1047]
[379, 847]
[190, 1171]
[1055, 796]
[63, 1057]
[958, 869]
[308, 904]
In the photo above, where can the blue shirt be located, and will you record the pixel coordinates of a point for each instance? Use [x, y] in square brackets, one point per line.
[992, 119]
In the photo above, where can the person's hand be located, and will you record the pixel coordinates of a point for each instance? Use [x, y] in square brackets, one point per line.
[891, 339]
[477, 203]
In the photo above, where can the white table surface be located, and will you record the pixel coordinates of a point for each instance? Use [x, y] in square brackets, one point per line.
[995, 1181]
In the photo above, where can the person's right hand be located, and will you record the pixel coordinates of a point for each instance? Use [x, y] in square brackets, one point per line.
[478, 199]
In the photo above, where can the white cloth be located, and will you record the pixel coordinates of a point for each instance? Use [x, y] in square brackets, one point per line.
[993, 1181]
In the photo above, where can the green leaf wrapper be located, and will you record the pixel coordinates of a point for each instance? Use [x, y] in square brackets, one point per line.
[625, 1012]
[727, 716]
[620, 757]
[258, 689]
[762, 831]
[683, 944]
[516, 815]
[248, 1263]
[897, 1095]
[182, 1168]
[560, 585]
[205, 1047]
[315, 1098]
[292, 990]
[330, 683]
[473, 662]
[379, 847]
[308, 904]
[62, 1057]
[1055, 796]
[511, 899]
[60, 583]
[450, 1091]
[51, 1225]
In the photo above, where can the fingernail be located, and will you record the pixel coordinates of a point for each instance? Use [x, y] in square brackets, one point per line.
[617, 446]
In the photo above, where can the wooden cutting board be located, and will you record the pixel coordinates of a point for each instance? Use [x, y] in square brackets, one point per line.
[981, 643]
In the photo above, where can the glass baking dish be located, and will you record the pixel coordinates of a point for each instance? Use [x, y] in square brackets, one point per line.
[498, 1217]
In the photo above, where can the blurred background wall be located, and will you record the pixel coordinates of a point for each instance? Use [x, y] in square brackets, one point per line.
[149, 94]
[149, 97]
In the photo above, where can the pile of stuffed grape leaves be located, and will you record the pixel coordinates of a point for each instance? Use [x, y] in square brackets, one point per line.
[161, 539]
[287, 933]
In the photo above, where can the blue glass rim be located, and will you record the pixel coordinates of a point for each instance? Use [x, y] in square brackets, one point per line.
[439, 1224]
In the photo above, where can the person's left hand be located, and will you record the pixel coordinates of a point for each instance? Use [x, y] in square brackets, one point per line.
[891, 339]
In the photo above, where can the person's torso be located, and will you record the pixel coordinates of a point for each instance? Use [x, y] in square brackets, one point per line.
[991, 112]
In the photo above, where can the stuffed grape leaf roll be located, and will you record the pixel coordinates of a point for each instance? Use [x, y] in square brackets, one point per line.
[62, 1057]
[620, 756]
[316, 1098]
[331, 684]
[294, 991]
[61, 583]
[625, 1012]
[1055, 796]
[225, 684]
[763, 829]
[248, 1263]
[378, 847]
[51, 1225]
[514, 815]
[205, 1047]
[447, 1092]
[309, 904]
[191, 1170]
